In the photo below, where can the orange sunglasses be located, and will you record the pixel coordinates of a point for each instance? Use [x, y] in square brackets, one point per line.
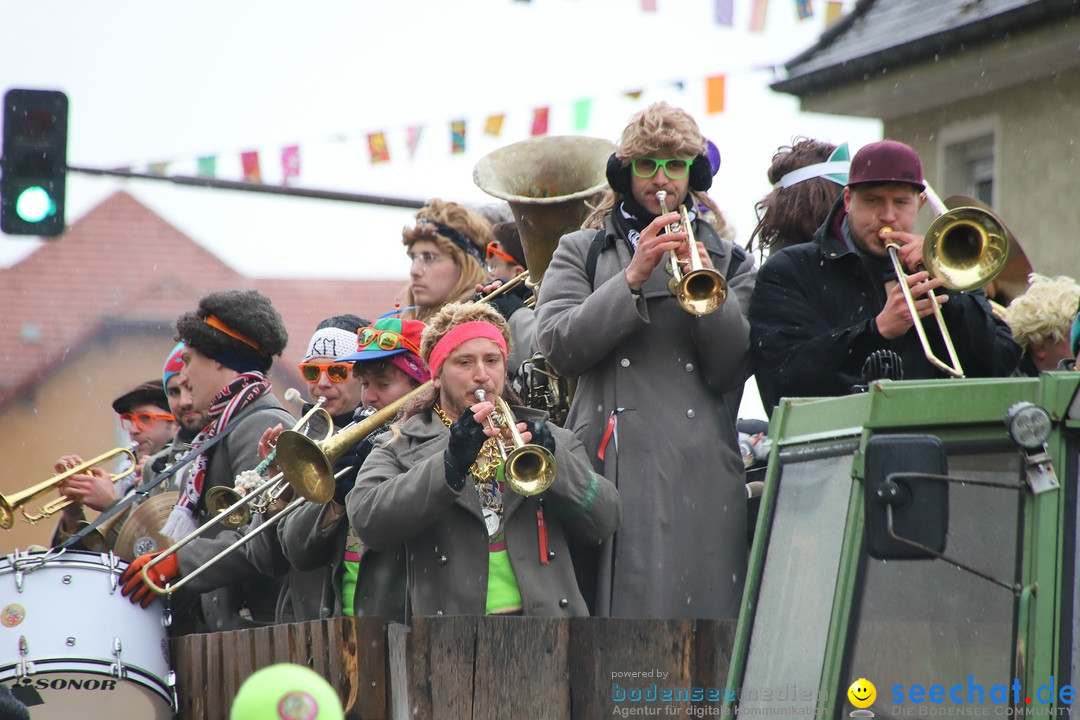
[337, 372]
[143, 420]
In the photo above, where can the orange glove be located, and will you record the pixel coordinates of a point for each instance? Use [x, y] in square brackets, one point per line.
[132, 579]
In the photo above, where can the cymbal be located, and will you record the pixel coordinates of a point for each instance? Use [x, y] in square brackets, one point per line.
[141, 532]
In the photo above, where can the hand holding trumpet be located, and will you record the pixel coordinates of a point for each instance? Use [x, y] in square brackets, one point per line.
[93, 487]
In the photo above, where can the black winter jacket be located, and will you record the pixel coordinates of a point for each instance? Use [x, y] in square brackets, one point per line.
[812, 323]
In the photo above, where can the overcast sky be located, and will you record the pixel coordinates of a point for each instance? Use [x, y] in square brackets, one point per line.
[155, 82]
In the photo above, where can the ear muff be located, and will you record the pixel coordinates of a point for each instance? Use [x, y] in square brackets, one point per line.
[701, 174]
[618, 175]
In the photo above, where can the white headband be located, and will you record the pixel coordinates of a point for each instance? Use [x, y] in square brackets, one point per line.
[828, 170]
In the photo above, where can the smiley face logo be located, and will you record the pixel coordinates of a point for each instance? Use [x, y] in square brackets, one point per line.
[862, 693]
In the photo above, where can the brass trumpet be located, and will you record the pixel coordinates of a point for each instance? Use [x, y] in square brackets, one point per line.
[20, 499]
[701, 290]
[529, 469]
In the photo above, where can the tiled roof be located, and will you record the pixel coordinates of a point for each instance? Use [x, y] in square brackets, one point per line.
[121, 264]
[880, 33]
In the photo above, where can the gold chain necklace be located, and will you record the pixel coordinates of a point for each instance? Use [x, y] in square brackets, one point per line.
[484, 473]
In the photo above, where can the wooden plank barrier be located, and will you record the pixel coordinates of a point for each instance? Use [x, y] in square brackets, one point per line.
[473, 668]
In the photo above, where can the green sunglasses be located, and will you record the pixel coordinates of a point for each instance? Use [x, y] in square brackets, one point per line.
[674, 168]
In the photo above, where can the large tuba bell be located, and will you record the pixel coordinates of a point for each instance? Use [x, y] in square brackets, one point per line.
[548, 182]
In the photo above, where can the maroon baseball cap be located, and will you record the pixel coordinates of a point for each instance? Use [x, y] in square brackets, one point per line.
[886, 161]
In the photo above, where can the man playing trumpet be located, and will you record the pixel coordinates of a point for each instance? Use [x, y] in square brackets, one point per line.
[474, 546]
[658, 386]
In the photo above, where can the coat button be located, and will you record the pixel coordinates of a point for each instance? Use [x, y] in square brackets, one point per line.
[564, 603]
[625, 362]
[689, 367]
[551, 554]
[690, 413]
[443, 560]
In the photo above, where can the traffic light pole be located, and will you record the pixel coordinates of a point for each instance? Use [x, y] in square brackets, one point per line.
[210, 182]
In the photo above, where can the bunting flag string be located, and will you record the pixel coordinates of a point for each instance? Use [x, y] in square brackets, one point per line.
[577, 120]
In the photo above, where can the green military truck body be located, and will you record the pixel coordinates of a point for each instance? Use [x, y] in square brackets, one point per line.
[981, 621]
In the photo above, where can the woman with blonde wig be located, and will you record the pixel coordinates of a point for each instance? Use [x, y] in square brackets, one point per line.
[445, 245]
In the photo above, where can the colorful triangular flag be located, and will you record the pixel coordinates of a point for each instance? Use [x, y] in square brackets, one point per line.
[412, 139]
[757, 15]
[377, 148]
[804, 9]
[714, 94]
[207, 166]
[582, 108]
[493, 125]
[724, 12]
[290, 163]
[249, 161]
[457, 137]
[540, 121]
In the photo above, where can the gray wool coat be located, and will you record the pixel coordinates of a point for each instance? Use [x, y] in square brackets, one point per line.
[401, 496]
[668, 378]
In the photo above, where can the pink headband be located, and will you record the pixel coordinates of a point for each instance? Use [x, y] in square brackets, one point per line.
[461, 334]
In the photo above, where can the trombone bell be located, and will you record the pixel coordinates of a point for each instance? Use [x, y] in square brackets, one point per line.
[966, 247]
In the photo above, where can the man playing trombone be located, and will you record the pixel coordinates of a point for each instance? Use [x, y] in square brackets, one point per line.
[355, 579]
[440, 485]
[830, 314]
[230, 341]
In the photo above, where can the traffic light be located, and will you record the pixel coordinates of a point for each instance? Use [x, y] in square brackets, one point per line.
[34, 162]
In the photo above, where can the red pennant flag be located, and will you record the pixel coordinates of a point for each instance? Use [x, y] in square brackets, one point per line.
[457, 137]
[377, 148]
[290, 163]
[540, 121]
[714, 94]
[250, 163]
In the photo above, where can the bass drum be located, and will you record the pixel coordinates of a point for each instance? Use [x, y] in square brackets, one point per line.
[72, 646]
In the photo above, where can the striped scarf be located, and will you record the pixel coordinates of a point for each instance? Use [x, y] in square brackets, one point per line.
[230, 402]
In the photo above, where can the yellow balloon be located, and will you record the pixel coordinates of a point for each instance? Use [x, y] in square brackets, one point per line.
[862, 693]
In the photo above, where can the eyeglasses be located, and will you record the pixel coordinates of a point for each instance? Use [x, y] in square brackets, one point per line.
[384, 340]
[337, 372]
[143, 420]
[425, 259]
[674, 168]
[493, 251]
